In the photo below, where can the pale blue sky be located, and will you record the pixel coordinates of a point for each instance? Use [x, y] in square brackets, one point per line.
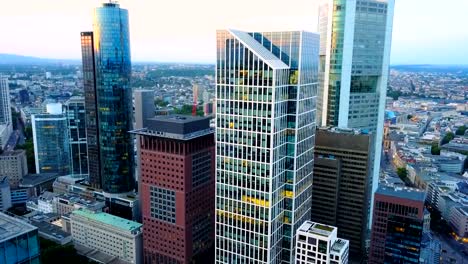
[424, 32]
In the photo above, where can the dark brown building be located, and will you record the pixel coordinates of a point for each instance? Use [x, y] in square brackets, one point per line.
[177, 188]
[342, 184]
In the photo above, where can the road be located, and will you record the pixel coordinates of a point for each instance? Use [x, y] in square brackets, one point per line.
[452, 250]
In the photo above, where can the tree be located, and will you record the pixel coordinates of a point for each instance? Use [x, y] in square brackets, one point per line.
[51, 252]
[160, 103]
[409, 117]
[402, 173]
[461, 130]
[187, 110]
[447, 138]
[28, 146]
[435, 149]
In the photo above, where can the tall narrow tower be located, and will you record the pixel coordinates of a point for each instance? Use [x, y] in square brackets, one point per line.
[109, 104]
[354, 65]
[266, 86]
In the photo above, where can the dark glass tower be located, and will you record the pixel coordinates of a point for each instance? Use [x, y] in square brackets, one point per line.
[111, 108]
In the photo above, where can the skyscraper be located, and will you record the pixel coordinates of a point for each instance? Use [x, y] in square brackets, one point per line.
[177, 188]
[354, 65]
[51, 142]
[266, 86]
[342, 184]
[75, 111]
[5, 105]
[106, 74]
[397, 226]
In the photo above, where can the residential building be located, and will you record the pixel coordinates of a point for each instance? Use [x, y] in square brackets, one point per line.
[107, 233]
[397, 226]
[45, 203]
[458, 219]
[342, 184]
[13, 164]
[354, 66]
[266, 84]
[317, 243]
[76, 118]
[5, 194]
[108, 99]
[51, 141]
[177, 188]
[19, 242]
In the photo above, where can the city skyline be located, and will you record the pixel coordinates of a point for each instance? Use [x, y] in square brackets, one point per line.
[168, 43]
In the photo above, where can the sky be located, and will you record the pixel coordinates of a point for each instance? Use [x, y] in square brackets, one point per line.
[424, 31]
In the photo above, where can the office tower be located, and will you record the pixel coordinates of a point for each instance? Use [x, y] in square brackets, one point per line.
[51, 142]
[106, 75]
[354, 65]
[144, 107]
[266, 87]
[5, 105]
[109, 234]
[317, 243]
[13, 164]
[397, 226]
[177, 188]
[92, 131]
[75, 110]
[19, 241]
[5, 194]
[342, 184]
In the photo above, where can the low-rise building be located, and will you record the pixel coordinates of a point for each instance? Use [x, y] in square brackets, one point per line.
[110, 234]
[13, 164]
[318, 243]
[19, 242]
[458, 219]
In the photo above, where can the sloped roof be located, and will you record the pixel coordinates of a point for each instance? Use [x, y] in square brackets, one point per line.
[265, 55]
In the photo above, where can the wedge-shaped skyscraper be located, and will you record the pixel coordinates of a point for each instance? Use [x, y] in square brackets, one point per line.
[266, 85]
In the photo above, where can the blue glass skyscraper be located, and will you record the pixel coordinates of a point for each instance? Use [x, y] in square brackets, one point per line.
[109, 99]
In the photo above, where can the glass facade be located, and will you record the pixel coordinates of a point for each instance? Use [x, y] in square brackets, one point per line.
[266, 85]
[403, 240]
[92, 131]
[112, 107]
[51, 143]
[19, 242]
[75, 109]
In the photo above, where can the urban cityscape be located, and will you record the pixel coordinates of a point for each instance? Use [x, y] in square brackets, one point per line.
[291, 146]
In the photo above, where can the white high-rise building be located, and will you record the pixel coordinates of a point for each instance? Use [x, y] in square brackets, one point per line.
[266, 85]
[5, 105]
[317, 243]
[354, 66]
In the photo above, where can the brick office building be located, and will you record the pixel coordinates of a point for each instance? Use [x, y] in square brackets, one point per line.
[177, 188]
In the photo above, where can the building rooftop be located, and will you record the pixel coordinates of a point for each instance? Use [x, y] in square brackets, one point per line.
[317, 229]
[12, 227]
[32, 180]
[183, 127]
[12, 153]
[51, 231]
[105, 218]
[402, 192]
[339, 245]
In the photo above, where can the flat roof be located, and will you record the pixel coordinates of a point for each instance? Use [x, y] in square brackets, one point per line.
[182, 127]
[12, 227]
[402, 192]
[115, 221]
[32, 180]
[317, 229]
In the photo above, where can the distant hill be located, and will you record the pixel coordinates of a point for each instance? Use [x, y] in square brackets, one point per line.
[19, 59]
[459, 69]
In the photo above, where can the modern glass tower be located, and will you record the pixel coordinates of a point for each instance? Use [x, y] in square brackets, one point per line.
[354, 65]
[75, 110]
[51, 142]
[108, 69]
[266, 86]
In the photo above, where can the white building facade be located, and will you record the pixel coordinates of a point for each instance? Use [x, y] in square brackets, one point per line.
[266, 85]
[317, 243]
[109, 234]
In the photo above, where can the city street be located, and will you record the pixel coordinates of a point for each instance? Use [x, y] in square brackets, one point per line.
[452, 250]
